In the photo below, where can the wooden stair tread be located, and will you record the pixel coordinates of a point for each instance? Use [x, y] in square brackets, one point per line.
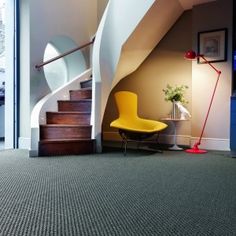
[86, 88]
[66, 140]
[65, 125]
[84, 93]
[69, 112]
[65, 131]
[86, 83]
[79, 100]
[66, 147]
[79, 113]
[68, 117]
[82, 105]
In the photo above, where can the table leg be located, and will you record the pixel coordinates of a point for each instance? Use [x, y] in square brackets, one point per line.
[175, 147]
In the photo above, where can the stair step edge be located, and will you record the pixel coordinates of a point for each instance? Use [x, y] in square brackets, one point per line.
[66, 125]
[77, 100]
[83, 89]
[65, 140]
[69, 112]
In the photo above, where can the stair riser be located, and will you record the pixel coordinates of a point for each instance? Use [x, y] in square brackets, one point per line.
[80, 94]
[81, 106]
[70, 119]
[65, 132]
[58, 137]
[66, 148]
[86, 84]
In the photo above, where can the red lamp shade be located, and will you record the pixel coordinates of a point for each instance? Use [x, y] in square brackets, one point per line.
[191, 55]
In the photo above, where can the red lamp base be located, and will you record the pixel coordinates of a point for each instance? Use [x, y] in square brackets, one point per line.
[195, 150]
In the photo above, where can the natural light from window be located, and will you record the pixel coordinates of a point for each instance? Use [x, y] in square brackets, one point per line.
[56, 72]
[2, 35]
[2, 52]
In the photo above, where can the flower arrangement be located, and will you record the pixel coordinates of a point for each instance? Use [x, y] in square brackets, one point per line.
[175, 94]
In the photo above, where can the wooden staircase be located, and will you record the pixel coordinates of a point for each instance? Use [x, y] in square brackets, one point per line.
[68, 131]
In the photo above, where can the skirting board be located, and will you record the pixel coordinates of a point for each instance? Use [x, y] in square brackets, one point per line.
[207, 143]
[213, 143]
[24, 143]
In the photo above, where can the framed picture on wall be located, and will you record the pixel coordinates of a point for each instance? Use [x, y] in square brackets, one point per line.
[213, 45]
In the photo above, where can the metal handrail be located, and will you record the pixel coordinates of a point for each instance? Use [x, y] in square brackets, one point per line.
[38, 66]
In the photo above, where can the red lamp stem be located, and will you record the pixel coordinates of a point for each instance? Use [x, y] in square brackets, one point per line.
[195, 147]
[209, 108]
[212, 97]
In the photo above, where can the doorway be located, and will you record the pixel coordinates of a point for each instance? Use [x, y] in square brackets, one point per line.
[2, 72]
[8, 73]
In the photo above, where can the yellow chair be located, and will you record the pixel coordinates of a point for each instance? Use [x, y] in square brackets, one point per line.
[130, 125]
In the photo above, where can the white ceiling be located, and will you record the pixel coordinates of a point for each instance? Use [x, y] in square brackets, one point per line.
[188, 4]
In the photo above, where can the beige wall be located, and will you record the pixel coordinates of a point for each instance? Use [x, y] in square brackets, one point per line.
[101, 7]
[164, 65]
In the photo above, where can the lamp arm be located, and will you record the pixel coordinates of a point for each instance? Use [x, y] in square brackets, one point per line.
[216, 70]
[209, 108]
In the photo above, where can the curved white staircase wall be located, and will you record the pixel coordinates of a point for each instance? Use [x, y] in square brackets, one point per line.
[118, 25]
[128, 32]
[110, 37]
[49, 103]
[151, 29]
[96, 85]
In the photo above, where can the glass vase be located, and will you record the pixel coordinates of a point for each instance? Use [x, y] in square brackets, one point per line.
[174, 113]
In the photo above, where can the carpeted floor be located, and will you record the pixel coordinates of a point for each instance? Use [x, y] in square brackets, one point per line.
[173, 193]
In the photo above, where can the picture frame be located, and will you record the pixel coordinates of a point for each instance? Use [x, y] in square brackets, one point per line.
[212, 45]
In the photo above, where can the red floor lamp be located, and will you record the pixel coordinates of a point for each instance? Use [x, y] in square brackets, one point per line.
[191, 55]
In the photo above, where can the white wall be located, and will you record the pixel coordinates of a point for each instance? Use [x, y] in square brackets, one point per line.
[75, 19]
[40, 22]
[2, 118]
[25, 67]
[9, 85]
[116, 31]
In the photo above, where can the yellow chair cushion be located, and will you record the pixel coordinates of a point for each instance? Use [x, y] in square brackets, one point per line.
[128, 118]
[138, 125]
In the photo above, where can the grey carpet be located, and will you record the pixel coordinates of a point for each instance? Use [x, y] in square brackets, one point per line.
[173, 193]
